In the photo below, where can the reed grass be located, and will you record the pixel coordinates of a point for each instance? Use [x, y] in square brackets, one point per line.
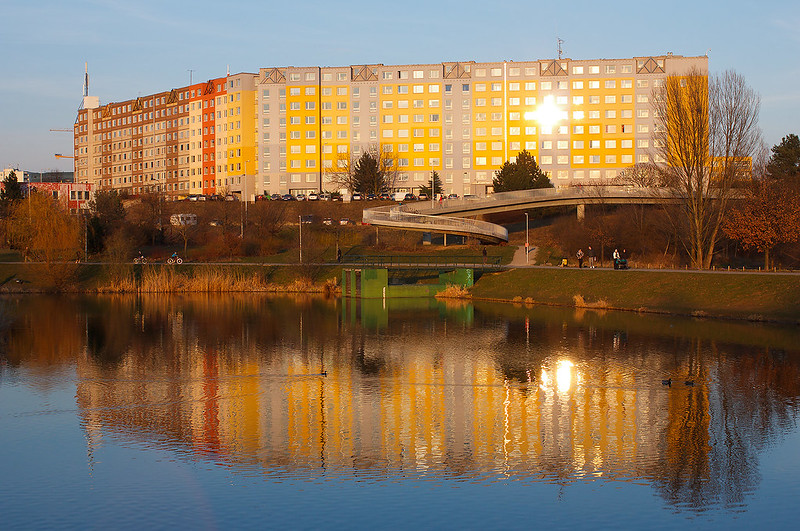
[580, 302]
[453, 291]
[206, 280]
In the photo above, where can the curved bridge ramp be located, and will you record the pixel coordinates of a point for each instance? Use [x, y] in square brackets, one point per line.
[398, 217]
[548, 197]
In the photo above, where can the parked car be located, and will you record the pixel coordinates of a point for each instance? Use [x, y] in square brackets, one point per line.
[345, 221]
[301, 197]
[275, 197]
[327, 221]
[313, 196]
[385, 196]
[409, 197]
[423, 197]
[357, 196]
[324, 196]
[371, 197]
[452, 196]
[289, 197]
[183, 219]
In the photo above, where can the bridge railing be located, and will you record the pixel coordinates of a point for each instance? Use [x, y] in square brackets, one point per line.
[401, 217]
[590, 193]
[432, 261]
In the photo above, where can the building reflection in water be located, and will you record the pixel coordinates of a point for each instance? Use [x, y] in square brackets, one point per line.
[424, 388]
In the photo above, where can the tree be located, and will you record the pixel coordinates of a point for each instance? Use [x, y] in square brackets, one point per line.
[12, 189]
[437, 186]
[9, 196]
[147, 215]
[107, 216]
[768, 217]
[373, 172]
[49, 233]
[706, 135]
[642, 174]
[522, 174]
[785, 159]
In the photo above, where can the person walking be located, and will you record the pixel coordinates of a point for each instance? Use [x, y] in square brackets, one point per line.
[615, 257]
[590, 255]
[579, 254]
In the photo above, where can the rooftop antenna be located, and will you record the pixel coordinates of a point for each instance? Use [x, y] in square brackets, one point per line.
[190, 76]
[229, 70]
[86, 80]
[560, 42]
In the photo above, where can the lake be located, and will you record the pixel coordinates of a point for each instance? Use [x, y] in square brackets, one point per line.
[246, 411]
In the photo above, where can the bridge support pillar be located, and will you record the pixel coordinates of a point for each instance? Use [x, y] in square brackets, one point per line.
[581, 212]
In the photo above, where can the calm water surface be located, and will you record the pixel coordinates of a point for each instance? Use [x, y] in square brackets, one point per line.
[247, 411]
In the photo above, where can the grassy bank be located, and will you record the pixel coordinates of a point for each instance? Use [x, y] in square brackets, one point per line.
[741, 295]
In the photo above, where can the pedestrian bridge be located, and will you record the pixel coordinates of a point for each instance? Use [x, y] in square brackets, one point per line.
[451, 216]
[406, 217]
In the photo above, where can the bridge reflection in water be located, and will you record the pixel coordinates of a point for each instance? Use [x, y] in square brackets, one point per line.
[424, 388]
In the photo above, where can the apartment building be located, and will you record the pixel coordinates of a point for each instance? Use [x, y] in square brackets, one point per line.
[287, 130]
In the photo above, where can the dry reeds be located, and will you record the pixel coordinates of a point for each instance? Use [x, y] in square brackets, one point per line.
[453, 291]
[205, 280]
[580, 302]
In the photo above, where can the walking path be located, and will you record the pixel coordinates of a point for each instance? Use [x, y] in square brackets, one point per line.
[519, 257]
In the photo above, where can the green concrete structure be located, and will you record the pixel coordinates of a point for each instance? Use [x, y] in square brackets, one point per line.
[371, 283]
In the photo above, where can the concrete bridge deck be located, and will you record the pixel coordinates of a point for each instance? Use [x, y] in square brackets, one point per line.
[449, 216]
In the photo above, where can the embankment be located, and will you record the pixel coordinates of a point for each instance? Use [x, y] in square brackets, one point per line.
[754, 296]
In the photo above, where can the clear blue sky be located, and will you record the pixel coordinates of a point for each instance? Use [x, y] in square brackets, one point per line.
[145, 46]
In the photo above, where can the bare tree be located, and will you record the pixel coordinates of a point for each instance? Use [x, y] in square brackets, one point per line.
[643, 174]
[349, 170]
[706, 136]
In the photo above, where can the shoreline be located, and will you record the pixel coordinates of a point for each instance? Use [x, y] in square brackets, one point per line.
[724, 295]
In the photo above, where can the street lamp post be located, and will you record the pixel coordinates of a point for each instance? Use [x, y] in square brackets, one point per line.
[526, 239]
[244, 196]
[300, 218]
[433, 204]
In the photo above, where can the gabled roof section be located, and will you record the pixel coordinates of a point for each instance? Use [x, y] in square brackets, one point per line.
[553, 68]
[364, 72]
[649, 65]
[272, 76]
[457, 70]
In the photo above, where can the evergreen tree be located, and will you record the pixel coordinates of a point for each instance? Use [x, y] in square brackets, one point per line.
[12, 189]
[108, 215]
[437, 186]
[785, 159]
[368, 177]
[10, 194]
[522, 174]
